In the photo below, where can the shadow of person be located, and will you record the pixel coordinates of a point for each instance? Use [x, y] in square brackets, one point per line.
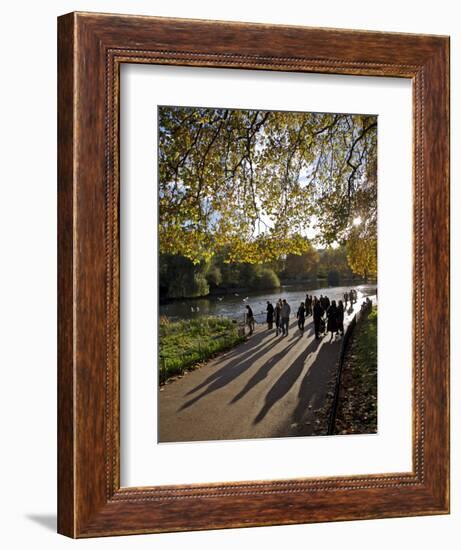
[233, 358]
[313, 388]
[227, 374]
[262, 373]
[300, 333]
[285, 382]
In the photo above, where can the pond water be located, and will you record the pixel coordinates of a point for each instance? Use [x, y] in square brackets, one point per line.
[232, 305]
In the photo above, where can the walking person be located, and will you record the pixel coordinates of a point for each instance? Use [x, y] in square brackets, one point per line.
[317, 314]
[301, 316]
[250, 320]
[278, 317]
[351, 297]
[332, 317]
[308, 305]
[270, 315]
[340, 317]
[345, 299]
[285, 314]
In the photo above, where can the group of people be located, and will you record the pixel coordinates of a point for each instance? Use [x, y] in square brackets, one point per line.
[328, 316]
[350, 297]
[280, 314]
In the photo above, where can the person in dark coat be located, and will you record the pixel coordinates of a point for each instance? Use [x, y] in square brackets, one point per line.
[340, 317]
[332, 316]
[351, 297]
[278, 317]
[326, 303]
[301, 315]
[285, 317]
[317, 314]
[270, 315]
[308, 304]
[250, 320]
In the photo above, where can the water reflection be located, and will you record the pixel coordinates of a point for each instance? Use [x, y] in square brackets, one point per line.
[232, 305]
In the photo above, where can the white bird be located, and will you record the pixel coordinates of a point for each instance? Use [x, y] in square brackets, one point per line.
[192, 308]
[235, 294]
[220, 299]
[245, 299]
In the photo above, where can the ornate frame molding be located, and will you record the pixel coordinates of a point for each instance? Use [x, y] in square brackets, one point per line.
[91, 49]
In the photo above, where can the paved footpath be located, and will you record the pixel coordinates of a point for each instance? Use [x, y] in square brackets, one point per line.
[269, 386]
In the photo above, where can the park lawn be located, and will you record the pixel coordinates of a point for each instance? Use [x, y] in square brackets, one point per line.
[186, 344]
[357, 407]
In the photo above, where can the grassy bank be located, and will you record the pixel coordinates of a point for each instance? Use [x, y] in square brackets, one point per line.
[357, 406]
[185, 344]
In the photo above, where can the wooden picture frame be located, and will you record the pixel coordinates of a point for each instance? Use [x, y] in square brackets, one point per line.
[91, 49]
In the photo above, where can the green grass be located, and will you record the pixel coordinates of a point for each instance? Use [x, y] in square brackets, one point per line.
[185, 344]
[357, 408]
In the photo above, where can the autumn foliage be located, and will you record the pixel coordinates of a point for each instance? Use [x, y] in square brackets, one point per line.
[261, 185]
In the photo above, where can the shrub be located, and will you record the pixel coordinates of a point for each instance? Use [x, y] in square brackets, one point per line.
[214, 276]
[266, 278]
[333, 278]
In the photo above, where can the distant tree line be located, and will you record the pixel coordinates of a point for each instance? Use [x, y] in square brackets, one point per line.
[180, 277]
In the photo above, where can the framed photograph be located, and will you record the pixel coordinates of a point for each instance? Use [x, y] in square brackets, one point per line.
[253, 258]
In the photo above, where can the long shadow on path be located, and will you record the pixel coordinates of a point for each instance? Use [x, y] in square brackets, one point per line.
[262, 372]
[227, 374]
[286, 381]
[312, 391]
[255, 345]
